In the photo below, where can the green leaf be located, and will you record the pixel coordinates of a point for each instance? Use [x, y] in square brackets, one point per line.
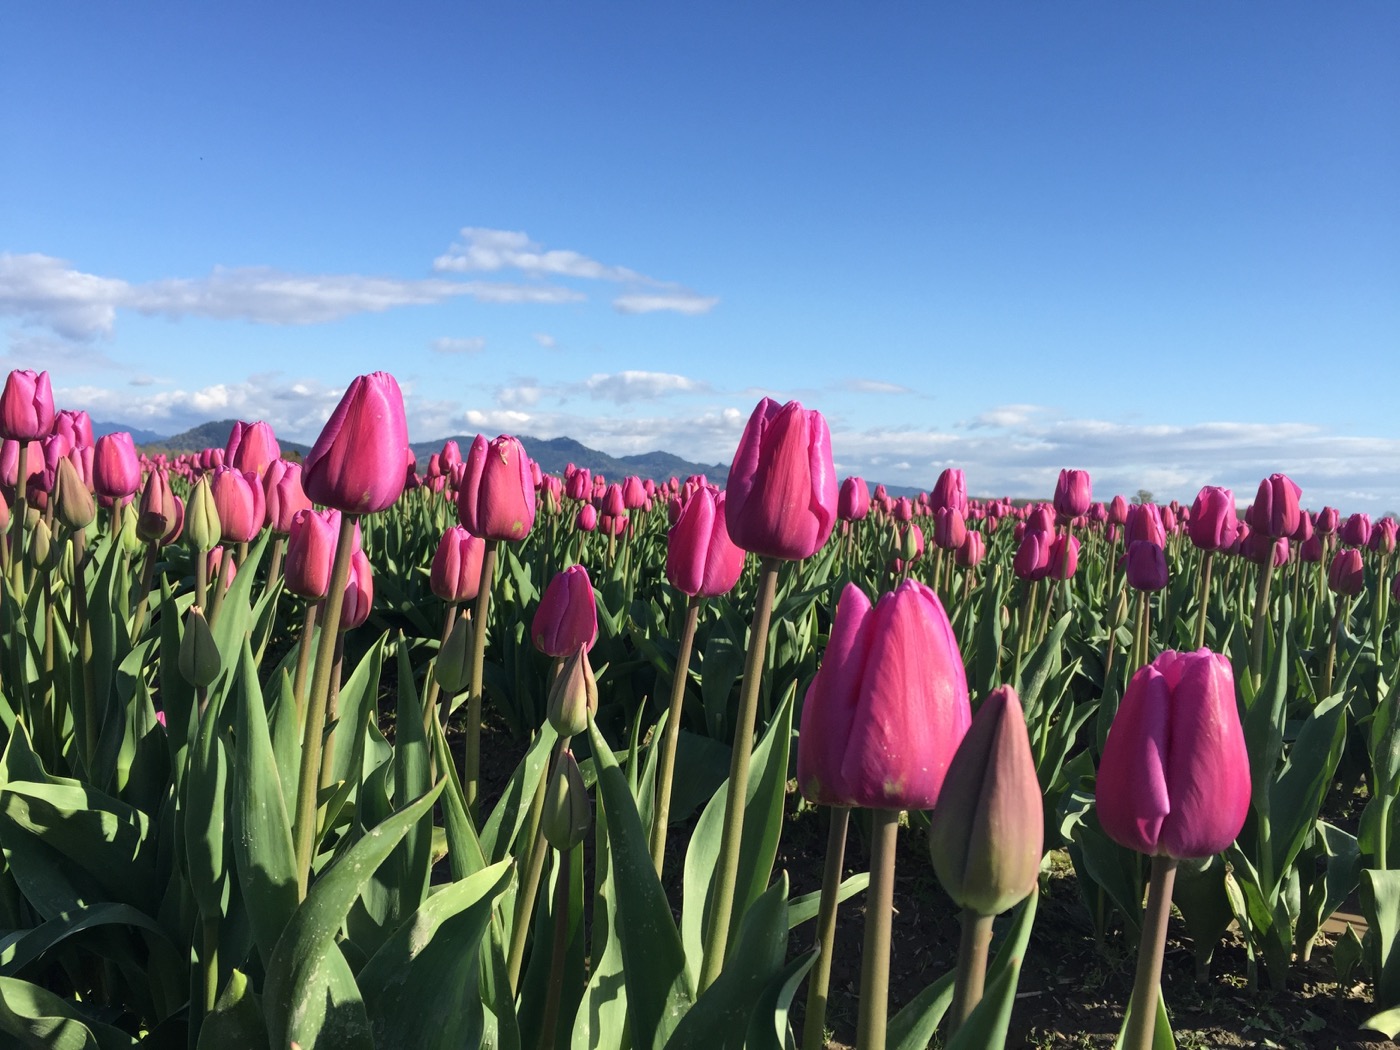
[914, 1026]
[39, 1020]
[506, 820]
[22, 947]
[420, 988]
[310, 995]
[659, 990]
[768, 1025]
[236, 1022]
[803, 908]
[1297, 795]
[602, 1016]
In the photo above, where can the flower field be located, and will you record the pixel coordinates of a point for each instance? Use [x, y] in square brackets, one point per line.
[361, 752]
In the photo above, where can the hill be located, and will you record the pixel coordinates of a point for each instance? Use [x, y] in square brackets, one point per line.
[554, 454]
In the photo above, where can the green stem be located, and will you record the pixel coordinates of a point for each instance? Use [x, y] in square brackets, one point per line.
[973, 951]
[17, 515]
[304, 828]
[533, 838]
[1338, 618]
[818, 987]
[308, 632]
[1203, 598]
[148, 575]
[661, 810]
[471, 761]
[210, 963]
[1147, 988]
[332, 710]
[879, 909]
[736, 795]
[1261, 618]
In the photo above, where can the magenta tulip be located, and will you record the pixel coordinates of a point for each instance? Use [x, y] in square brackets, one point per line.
[116, 469]
[853, 501]
[456, 573]
[1356, 530]
[949, 492]
[26, 406]
[75, 425]
[1145, 566]
[889, 705]
[1032, 560]
[567, 616]
[972, 551]
[701, 560]
[782, 483]
[311, 552]
[1174, 778]
[239, 499]
[1073, 494]
[359, 592]
[283, 495]
[357, 464]
[500, 505]
[1327, 519]
[1213, 519]
[157, 511]
[1144, 523]
[587, 518]
[1347, 573]
[252, 447]
[1383, 536]
[1275, 509]
[949, 528]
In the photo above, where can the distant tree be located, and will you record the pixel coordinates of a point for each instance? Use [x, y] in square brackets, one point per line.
[1143, 496]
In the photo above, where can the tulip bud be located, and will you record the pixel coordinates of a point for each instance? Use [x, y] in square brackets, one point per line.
[359, 592]
[587, 518]
[701, 559]
[202, 527]
[949, 492]
[357, 464]
[1347, 573]
[1275, 509]
[252, 448]
[453, 667]
[972, 551]
[567, 616]
[1073, 494]
[1120, 610]
[283, 495]
[949, 528]
[116, 469]
[200, 662]
[574, 695]
[1213, 519]
[566, 816]
[987, 830]
[456, 572]
[128, 537]
[75, 507]
[157, 512]
[26, 406]
[1146, 566]
[240, 502]
[853, 502]
[43, 551]
[497, 497]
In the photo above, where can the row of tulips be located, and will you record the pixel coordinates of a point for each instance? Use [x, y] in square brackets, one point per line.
[196, 794]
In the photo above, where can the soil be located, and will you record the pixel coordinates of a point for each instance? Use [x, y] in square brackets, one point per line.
[1072, 990]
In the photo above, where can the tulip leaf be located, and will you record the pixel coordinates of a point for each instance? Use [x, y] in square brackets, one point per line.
[420, 987]
[39, 1020]
[22, 947]
[801, 909]
[914, 1026]
[205, 808]
[659, 988]
[721, 664]
[1263, 725]
[1380, 904]
[768, 1024]
[236, 1022]
[1162, 1037]
[506, 820]
[602, 1016]
[310, 994]
[261, 829]
[356, 710]
[1296, 796]
[986, 1026]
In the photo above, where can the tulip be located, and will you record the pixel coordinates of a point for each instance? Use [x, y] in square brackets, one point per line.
[311, 552]
[1356, 530]
[1304, 531]
[357, 464]
[26, 406]
[252, 448]
[240, 502]
[1327, 519]
[1310, 550]
[853, 501]
[567, 616]
[1118, 511]
[634, 493]
[359, 592]
[1347, 573]
[74, 425]
[1275, 509]
[1263, 550]
[283, 495]
[574, 695]
[1073, 494]
[587, 518]
[782, 483]
[1144, 523]
[949, 492]
[501, 504]
[214, 564]
[578, 485]
[456, 572]
[202, 526]
[199, 660]
[888, 706]
[701, 560]
[1213, 521]
[1032, 560]
[1146, 566]
[157, 511]
[1383, 535]
[949, 528]
[972, 551]
[74, 506]
[116, 470]
[450, 455]
[567, 815]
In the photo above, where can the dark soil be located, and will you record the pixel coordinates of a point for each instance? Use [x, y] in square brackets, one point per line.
[1072, 990]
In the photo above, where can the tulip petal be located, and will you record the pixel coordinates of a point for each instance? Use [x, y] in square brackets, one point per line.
[1131, 793]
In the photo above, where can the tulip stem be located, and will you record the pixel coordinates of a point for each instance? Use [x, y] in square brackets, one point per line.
[973, 950]
[736, 796]
[471, 761]
[332, 710]
[1203, 598]
[274, 564]
[148, 575]
[430, 694]
[814, 1027]
[1261, 617]
[308, 632]
[661, 809]
[310, 772]
[1147, 988]
[532, 839]
[17, 522]
[879, 909]
[1338, 618]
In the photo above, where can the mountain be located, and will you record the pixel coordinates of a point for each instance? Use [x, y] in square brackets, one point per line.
[208, 435]
[138, 436]
[554, 454]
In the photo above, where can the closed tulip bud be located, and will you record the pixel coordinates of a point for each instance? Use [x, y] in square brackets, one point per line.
[357, 464]
[1118, 511]
[1310, 550]
[567, 616]
[199, 662]
[359, 592]
[311, 553]
[283, 495]
[853, 501]
[75, 425]
[613, 503]
[986, 833]
[240, 502]
[129, 538]
[1063, 562]
[1146, 566]
[566, 816]
[1327, 519]
[634, 493]
[1073, 494]
[782, 483]
[1174, 779]
[116, 469]
[202, 527]
[26, 406]
[949, 528]
[1262, 549]
[1032, 560]
[1304, 531]
[252, 448]
[888, 706]
[1213, 519]
[453, 667]
[456, 572]
[1275, 509]
[574, 695]
[911, 543]
[157, 512]
[903, 510]
[1144, 523]
[1120, 610]
[1041, 519]
[1383, 536]
[1347, 573]
[579, 484]
[949, 492]
[75, 506]
[701, 560]
[43, 552]
[587, 518]
[502, 507]
[1356, 530]
[972, 551]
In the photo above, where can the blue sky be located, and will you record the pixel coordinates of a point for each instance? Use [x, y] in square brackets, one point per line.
[1157, 241]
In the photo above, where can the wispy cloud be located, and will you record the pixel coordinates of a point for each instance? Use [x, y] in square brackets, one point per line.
[874, 386]
[545, 340]
[678, 301]
[469, 345]
[622, 387]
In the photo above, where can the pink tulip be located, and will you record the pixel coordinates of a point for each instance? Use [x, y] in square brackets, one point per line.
[357, 464]
[1275, 509]
[1383, 536]
[853, 502]
[1347, 573]
[1327, 519]
[311, 552]
[567, 616]
[972, 551]
[116, 470]
[239, 499]
[283, 495]
[359, 592]
[949, 528]
[1174, 778]
[782, 483]
[157, 510]
[1356, 530]
[76, 426]
[26, 406]
[701, 560]
[949, 492]
[1213, 520]
[497, 498]
[889, 705]
[252, 447]
[1144, 523]
[1073, 494]
[587, 518]
[1032, 560]
[456, 573]
[1146, 566]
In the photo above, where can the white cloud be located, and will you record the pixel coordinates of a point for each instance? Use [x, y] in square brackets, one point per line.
[47, 292]
[679, 301]
[470, 345]
[874, 386]
[621, 387]
[483, 250]
[545, 340]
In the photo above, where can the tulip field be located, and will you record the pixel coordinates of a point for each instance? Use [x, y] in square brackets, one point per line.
[364, 752]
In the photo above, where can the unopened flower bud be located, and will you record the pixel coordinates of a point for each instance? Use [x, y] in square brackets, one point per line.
[203, 529]
[200, 662]
[131, 540]
[43, 552]
[574, 695]
[566, 815]
[453, 668]
[75, 504]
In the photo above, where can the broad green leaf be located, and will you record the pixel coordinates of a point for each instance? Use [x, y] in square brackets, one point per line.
[236, 1022]
[22, 947]
[39, 1020]
[914, 1026]
[768, 1024]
